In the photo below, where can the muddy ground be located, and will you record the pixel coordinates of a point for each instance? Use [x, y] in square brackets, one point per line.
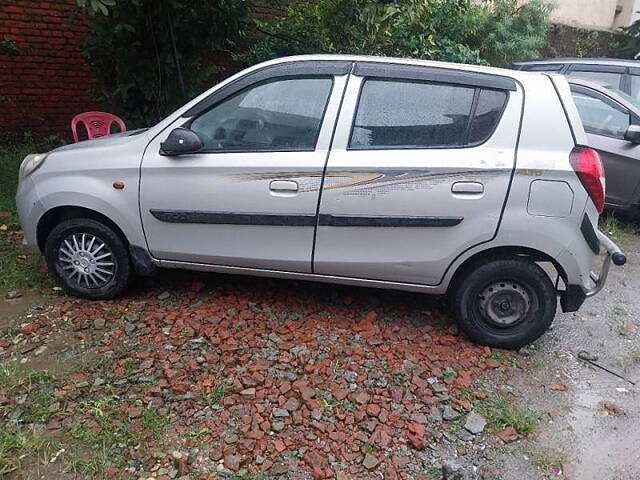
[205, 376]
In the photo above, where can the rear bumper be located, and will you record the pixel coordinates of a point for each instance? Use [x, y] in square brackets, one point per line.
[574, 295]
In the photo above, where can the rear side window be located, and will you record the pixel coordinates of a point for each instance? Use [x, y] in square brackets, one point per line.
[487, 114]
[412, 114]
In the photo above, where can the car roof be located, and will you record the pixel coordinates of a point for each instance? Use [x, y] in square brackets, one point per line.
[618, 62]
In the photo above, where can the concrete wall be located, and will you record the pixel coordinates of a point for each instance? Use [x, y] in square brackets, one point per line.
[595, 14]
[629, 13]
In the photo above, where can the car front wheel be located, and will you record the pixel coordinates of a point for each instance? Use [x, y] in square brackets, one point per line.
[89, 259]
[505, 303]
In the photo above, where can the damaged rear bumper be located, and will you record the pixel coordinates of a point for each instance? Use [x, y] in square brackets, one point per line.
[572, 298]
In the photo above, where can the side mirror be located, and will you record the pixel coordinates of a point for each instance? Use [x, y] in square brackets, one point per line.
[181, 141]
[633, 134]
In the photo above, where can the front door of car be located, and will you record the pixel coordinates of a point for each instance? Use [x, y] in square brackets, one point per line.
[606, 123]
[249, 197]
[418, 173]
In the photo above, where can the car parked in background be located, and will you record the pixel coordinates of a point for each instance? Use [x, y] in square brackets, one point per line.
[391, 173]
[621, 74]
[611, 120]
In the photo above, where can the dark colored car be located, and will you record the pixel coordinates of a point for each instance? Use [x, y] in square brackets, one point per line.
[622, 74]
[611, 119]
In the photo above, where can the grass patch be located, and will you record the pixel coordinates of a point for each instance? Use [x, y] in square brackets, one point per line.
[37, 385]
[20, 268]
[10, 158]
[500, 413]
[196, 435]
[499, 357]
[629, 360]
[20, 442]
[105, 437]
[152, 420]
[611, 225]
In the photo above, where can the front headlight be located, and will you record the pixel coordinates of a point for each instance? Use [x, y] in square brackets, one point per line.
[31, 163]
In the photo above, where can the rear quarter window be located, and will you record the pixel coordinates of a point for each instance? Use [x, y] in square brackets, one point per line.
[418, 114]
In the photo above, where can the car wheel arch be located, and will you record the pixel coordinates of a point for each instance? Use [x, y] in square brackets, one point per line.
[502, 253]
[54, 216]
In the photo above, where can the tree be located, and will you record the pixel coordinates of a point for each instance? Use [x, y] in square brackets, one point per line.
[150, 56]
[96, 6]
[492, 32]
[627, 45]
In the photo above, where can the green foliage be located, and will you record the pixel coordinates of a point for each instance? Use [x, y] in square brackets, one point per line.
[8, 46]
[97, 6]
[627, 44]
[136, 50]
[493, 32]
[105, 437]
[20, 268]
[501, 413]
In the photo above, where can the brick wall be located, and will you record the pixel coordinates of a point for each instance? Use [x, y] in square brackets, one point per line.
[44, 79]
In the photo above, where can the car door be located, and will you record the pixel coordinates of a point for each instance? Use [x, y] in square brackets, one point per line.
[606, 122]
[418, 173]
[249, 197]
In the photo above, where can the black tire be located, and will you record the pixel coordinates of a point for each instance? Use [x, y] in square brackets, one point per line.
[98, 285]
[479, 300]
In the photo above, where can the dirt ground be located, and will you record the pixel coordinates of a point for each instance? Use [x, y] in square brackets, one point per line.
[204, 376]
[592, 429]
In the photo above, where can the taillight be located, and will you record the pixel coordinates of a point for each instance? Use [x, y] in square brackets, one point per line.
[588, 166]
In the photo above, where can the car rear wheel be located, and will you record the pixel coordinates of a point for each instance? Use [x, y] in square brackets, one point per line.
[505, 303]
[88, 258]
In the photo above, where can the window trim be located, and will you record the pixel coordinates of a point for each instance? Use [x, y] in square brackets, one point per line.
[312, 68]
[434, 74]
[592, 67]
[467, 132]
[543, 67]
[188, 123]
[606, 99]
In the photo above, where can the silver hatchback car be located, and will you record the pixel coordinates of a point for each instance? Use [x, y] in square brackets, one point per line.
[421, 176]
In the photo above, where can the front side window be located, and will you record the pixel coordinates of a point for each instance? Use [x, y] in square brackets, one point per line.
[279, 115]
[600, 117]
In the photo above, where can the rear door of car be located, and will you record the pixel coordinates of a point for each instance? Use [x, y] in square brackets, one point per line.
[606, 121]
[418, 172]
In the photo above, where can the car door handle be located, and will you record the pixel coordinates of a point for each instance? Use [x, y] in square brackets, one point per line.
[285, 186]
[473, 188]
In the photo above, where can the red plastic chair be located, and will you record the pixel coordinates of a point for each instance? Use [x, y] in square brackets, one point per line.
[97, 124]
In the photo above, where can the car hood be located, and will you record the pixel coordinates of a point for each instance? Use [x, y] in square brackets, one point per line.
[115, 139]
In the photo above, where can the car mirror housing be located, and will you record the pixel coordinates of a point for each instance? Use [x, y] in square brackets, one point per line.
[180, 142]
[633, 134]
